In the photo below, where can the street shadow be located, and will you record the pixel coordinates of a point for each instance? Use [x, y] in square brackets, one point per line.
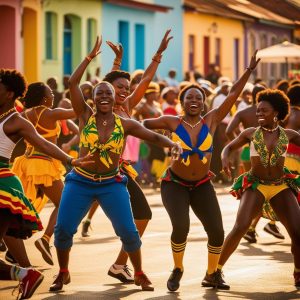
[169, 296]
[91, 240]
[280, 256]
[258, 295]
[116, 292]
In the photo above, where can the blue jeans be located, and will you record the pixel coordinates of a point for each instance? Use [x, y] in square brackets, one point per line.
[77, 197]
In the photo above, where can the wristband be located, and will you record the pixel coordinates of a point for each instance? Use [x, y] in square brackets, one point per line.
[250, 69]
[117, 62]
[88, 58]
[157, 57]
[69, 161]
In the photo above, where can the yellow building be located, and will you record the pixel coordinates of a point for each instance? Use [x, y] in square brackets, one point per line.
[31, 31]
[213, 36]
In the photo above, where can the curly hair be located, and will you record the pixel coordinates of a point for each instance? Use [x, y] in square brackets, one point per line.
[188, 87]
[282, 85]
[35, 94]
[278, 100]
[14, 81]
[257, 88]
[114, 75]
[294, 94]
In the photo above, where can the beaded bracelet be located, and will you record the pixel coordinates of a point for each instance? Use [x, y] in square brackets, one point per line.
[117, 62]
[157, 57]
[88, 58]
[69, 161]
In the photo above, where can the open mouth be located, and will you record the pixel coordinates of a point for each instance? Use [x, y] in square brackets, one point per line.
[103, 102]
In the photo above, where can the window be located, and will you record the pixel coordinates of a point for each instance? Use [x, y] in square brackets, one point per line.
[236, 57]
[206, 55]
[124, 40]
[139, 46]
[91, 33]
[51, 35]
[218, 52]
[191, 52]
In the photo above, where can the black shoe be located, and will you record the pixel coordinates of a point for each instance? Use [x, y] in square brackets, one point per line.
[85, 228]
[215, 280]
[274, 230]
[250, 236]
[10, 258]
[174, 280]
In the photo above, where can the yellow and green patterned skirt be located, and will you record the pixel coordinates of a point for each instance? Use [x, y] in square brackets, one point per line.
[248, 180]
[13, 201]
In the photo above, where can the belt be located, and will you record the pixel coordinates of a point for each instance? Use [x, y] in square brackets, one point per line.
[272, 182]
[96, 177]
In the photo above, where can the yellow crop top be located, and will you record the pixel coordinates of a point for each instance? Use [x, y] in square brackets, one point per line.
[48, 132]
[204, 143]
[89, 138]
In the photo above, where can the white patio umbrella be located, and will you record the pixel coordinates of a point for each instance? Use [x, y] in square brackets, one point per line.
[285, 52]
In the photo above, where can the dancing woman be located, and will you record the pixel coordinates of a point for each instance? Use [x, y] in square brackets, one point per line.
[187, 182]
[268, 185]
[40, 174]
[103, 134]
[123, 106]
[18, 217]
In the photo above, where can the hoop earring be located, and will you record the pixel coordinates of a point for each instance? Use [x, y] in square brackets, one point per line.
[275, 119]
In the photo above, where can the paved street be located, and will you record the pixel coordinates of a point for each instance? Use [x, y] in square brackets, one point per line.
[259, 271]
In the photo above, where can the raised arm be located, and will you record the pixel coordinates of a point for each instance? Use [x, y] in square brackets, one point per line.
[118, 50]
[237, 143]
[232, 126]
[136, 129]
[163, 122]
[235, 91]
[28, 132]
[61, 114]
[79, 105]
[139, 92]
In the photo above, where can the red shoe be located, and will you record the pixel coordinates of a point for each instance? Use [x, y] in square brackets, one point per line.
[30, 283]
[143, 281]
[297, 279]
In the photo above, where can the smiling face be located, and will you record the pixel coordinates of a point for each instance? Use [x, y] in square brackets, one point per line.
[104, 97]
[193, 102]
[121, 86]
[265, 114]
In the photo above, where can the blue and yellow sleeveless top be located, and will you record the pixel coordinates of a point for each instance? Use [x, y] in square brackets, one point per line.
[89, 138]
[203, 145]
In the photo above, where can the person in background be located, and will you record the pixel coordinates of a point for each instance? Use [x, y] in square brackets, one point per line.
[52, 83]
[292, 161]
[41, 175]
[171, 79]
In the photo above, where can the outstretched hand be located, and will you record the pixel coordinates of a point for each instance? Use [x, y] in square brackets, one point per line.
[83, 161]
[164, 42]
[226, 166]
[254, 61]
[176, 151]
[117, 48]
[96, 50]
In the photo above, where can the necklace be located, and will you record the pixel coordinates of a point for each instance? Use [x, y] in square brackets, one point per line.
[7, 112]
[269, 130]
[190, 125]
